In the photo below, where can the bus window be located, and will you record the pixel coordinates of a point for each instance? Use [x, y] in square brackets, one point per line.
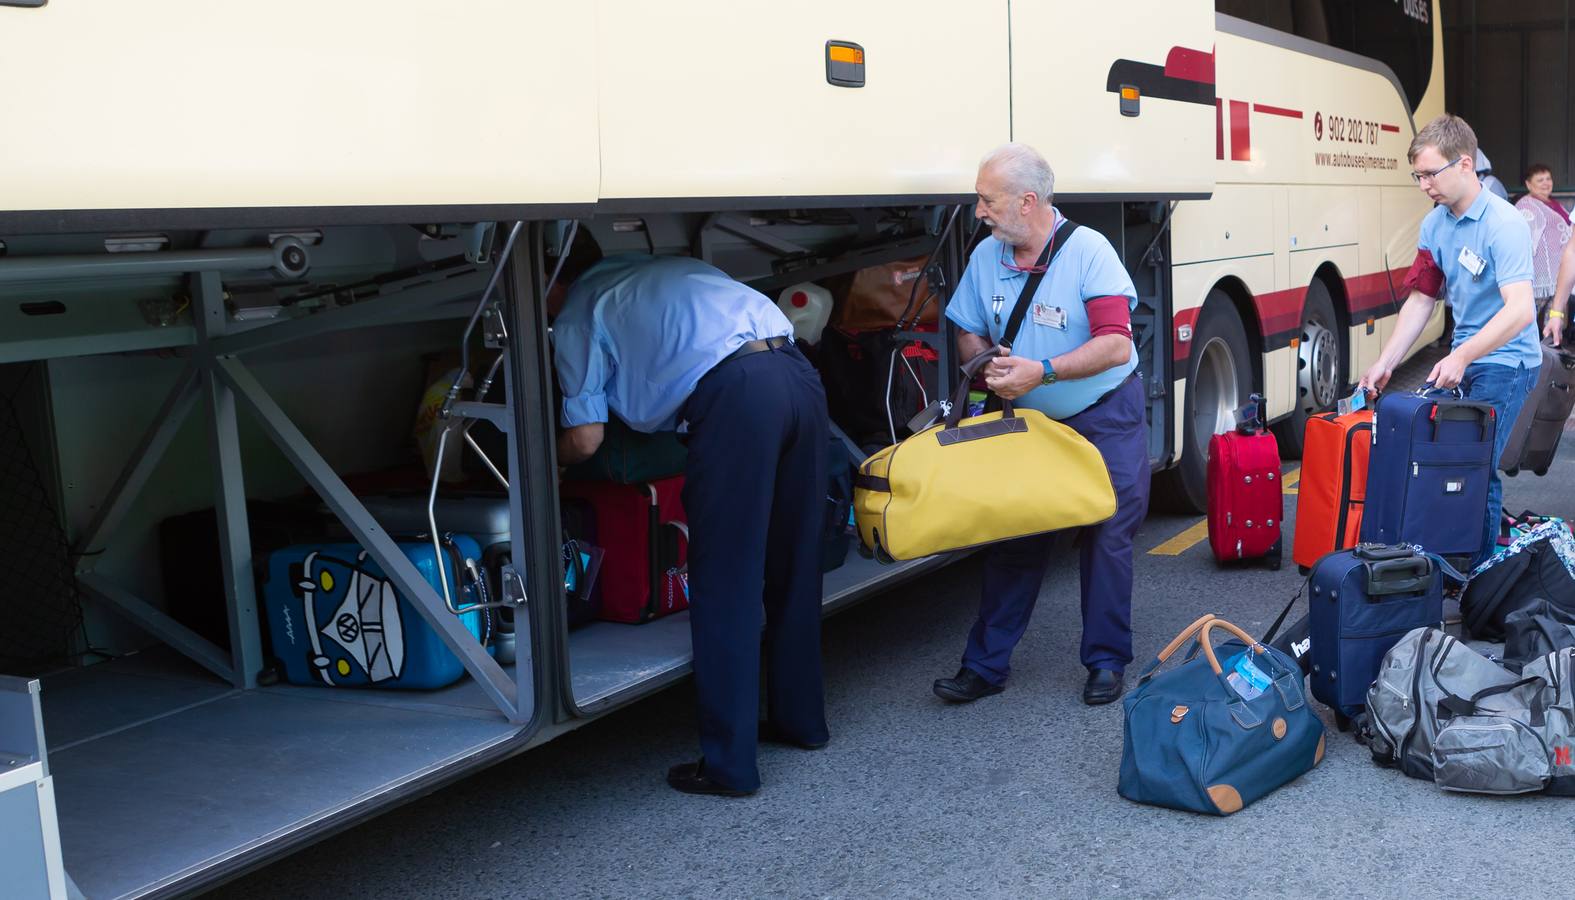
[1399, 35]
[1274, 14]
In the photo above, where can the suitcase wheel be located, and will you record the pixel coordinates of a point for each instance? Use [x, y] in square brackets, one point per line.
[1539, 472]
[1342, 721]
[1304, 570]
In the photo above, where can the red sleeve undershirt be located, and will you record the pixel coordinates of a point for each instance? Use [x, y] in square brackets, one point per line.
[1109, 315]
[1424, 276]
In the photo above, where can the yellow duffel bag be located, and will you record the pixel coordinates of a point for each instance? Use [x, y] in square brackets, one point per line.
[968, 482]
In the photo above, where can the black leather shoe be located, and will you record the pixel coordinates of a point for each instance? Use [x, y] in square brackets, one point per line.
[692, 779]
[1103, 686]
[770, 734]
[965, 687]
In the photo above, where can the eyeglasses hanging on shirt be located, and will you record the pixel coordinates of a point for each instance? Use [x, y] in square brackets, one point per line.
[997, 302]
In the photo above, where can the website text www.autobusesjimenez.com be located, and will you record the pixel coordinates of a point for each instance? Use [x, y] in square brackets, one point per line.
[1343, 160]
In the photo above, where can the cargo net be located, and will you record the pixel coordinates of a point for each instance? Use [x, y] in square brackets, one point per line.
[40, 609]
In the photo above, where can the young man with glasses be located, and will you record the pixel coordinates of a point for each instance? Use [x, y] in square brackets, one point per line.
[1475, 249]
[1073, 360]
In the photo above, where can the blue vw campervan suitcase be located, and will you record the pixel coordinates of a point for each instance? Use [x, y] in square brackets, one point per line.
[333, 619]
[1361, 601]
[1427, 476]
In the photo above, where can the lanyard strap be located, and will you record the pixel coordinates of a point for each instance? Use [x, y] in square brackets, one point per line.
[1052, 249]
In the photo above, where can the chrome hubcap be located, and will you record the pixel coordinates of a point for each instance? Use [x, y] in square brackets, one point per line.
[1215, 392]
[1316, 368]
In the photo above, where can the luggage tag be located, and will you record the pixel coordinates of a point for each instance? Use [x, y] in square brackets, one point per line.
[1353, 403]
[1245, 678]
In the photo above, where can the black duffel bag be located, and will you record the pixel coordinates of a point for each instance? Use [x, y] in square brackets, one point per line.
[1516, 582]
[1534, 632]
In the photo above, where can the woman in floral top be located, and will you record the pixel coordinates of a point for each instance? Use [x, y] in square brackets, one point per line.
[1550, 230]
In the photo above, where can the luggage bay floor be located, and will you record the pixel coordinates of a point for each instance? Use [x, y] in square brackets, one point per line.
[1012, 796]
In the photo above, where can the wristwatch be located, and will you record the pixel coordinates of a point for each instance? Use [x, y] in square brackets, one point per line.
[1049, 372]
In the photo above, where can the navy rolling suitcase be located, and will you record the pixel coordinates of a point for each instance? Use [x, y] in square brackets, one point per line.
[334, 620]
[1361, 602]
[1427, 476]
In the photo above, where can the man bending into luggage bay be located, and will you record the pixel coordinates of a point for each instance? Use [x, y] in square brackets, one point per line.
[1475, 249]
[1072, 360]
[671, 342]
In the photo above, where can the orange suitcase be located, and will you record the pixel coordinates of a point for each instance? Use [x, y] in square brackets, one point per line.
[1333, 484]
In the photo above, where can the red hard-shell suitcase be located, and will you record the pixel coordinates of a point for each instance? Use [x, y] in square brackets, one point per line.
[644, 537]
[1245, 498]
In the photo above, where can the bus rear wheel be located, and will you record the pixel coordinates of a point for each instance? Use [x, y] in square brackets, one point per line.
[1320, 369]
[1219, 379]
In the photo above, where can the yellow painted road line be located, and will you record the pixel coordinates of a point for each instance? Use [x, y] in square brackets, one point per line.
[1199, 531]
[1184, 541]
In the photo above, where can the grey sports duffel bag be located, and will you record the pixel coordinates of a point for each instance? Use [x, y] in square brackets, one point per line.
[1439, 710]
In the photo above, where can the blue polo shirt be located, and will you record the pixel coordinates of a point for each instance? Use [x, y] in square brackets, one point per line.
[637, 333]
[1496, 233]
[1086, 268]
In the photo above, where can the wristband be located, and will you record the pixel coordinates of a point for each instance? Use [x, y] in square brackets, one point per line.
[1553, 313]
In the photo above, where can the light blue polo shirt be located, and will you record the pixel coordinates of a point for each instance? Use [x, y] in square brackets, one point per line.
[1497, 234]
[1086, 268]
[637, 333]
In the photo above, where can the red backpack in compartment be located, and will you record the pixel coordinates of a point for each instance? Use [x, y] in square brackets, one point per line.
[644, 535]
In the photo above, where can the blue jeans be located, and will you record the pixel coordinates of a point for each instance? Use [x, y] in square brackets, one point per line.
[1505, 387]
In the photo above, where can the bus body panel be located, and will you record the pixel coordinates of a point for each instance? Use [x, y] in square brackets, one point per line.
[185, 104]
[1061, 102]
[705, 101]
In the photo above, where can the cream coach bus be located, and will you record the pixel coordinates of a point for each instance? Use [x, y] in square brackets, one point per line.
[236, 246]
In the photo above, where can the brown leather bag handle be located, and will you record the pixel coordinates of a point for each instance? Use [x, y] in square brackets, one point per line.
[1208, 647]
[1175, 645]
[960, 396]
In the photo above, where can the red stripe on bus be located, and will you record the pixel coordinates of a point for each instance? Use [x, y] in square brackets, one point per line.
[1190, 65]
[1366, 293]
[1280, 312]
[1392, 129]
[1240, 132]
[1277, 110]
[1219, 128]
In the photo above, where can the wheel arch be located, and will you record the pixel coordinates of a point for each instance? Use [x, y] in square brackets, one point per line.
[1241, 298]
[1328, 272]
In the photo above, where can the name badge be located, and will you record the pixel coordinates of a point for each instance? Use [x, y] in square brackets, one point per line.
[1053, 316]
[1471, 262]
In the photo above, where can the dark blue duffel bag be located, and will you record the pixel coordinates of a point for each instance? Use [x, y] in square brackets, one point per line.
[1212, 737]
[1361, 602]
[1427, 477]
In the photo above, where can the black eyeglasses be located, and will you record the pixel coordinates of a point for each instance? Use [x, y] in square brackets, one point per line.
[1418, 176]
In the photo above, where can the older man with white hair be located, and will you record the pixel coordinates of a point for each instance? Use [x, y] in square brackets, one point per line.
[1073, 360]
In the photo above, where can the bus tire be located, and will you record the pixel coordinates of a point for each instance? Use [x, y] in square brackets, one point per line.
[1320, 369]
[1219, 380]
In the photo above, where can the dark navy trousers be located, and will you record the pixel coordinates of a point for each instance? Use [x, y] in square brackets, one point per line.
[1015, 570]
[755, 496]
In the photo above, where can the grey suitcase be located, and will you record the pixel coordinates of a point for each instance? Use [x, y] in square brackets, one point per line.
[483, 517]
[1535, 437]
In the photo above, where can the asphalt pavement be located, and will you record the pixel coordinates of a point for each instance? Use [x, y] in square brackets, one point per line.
[1011, 796]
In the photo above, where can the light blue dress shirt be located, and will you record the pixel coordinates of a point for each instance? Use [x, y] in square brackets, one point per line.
[1496, 234]
[1057, 322]
[637, 333]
